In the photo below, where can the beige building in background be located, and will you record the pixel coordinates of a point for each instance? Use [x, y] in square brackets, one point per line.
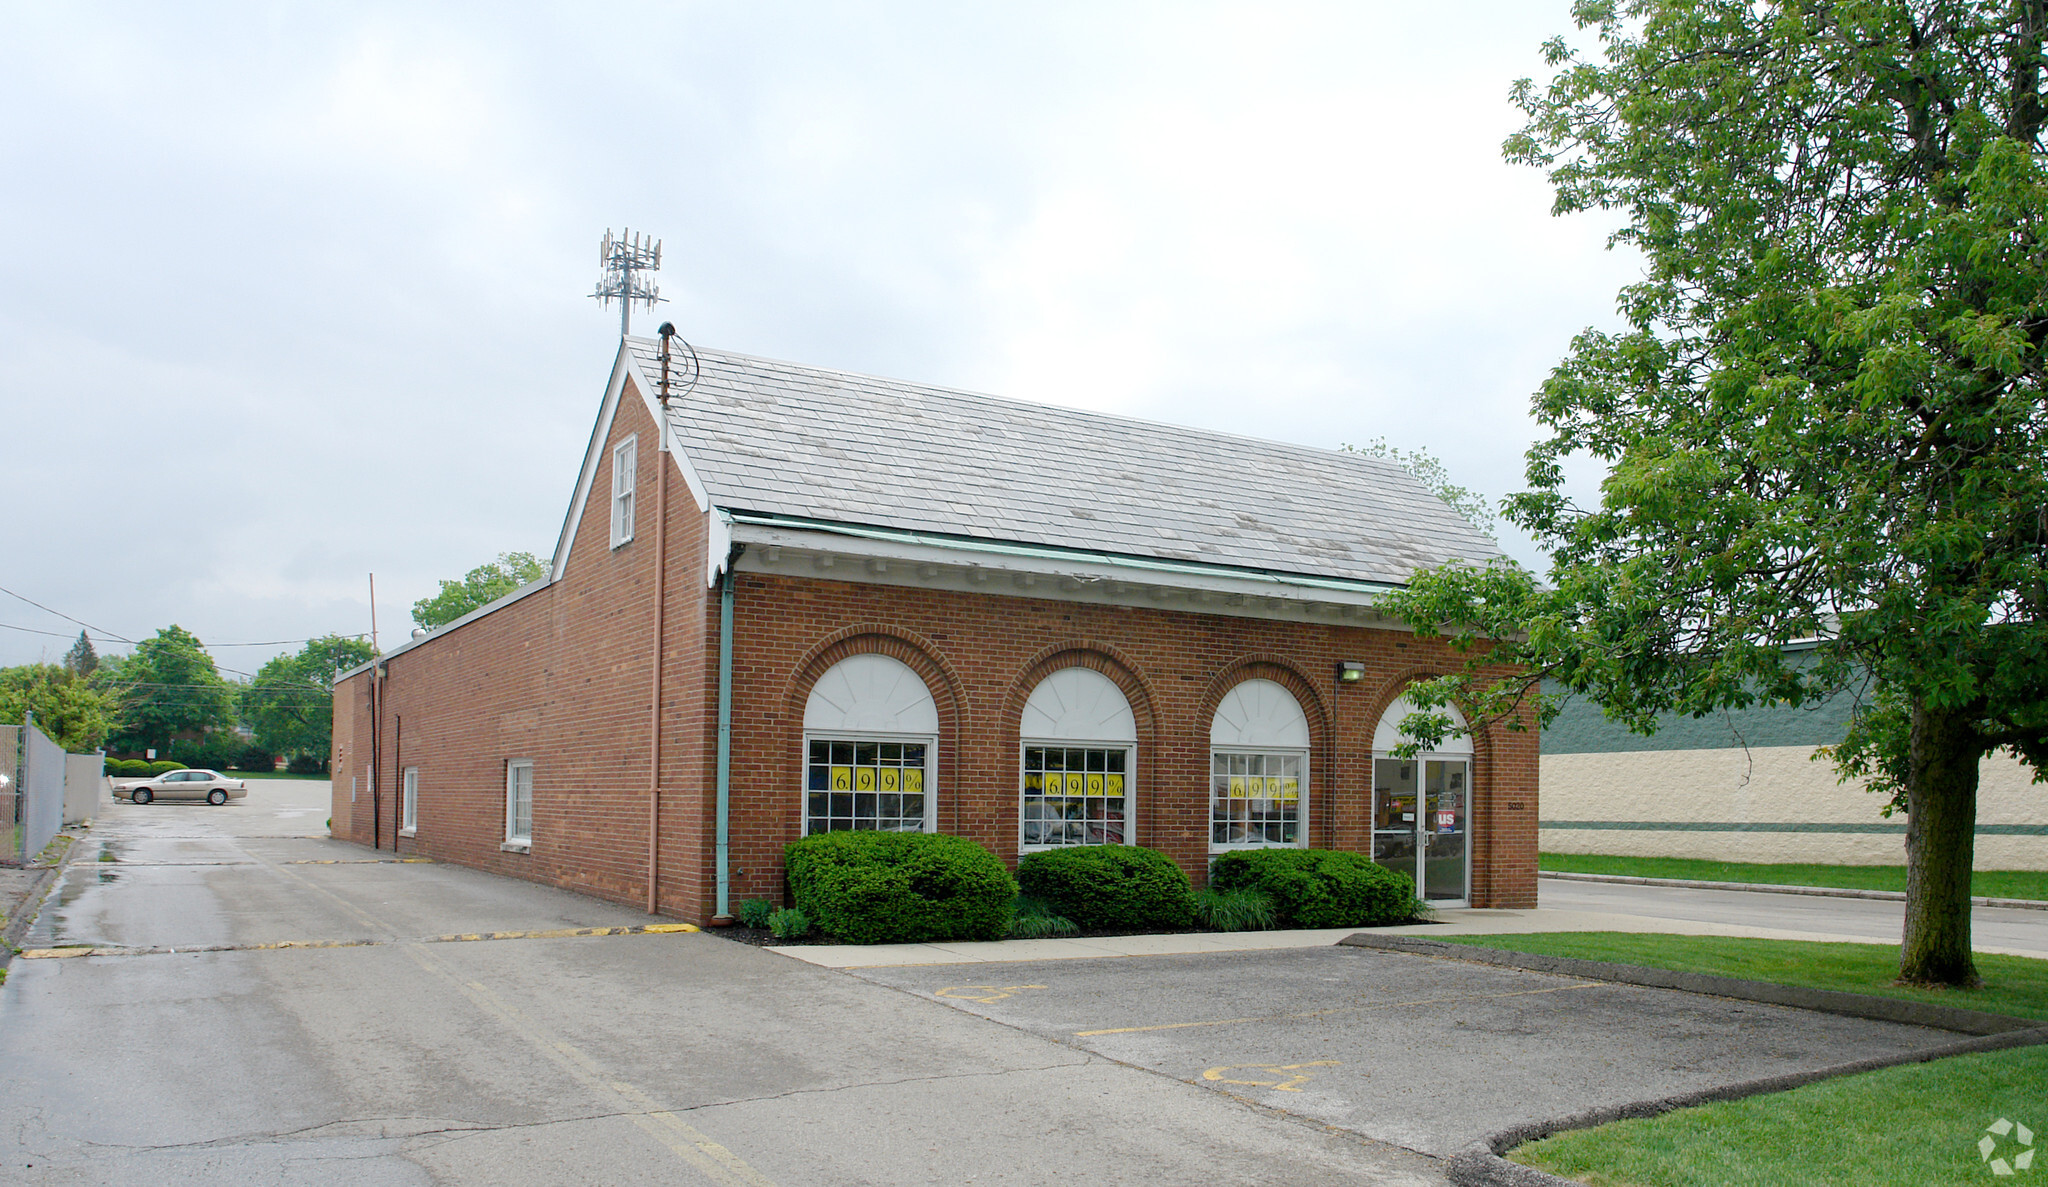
[1745, 786]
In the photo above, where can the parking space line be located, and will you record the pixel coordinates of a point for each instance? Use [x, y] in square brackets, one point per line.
[562, 933]
[712, 1160]
[1425, 1001]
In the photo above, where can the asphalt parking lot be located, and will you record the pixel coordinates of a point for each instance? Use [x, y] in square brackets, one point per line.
[1421, 1053]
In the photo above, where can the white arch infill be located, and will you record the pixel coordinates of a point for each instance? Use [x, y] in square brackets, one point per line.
[871, 694]
[1388, 735]
[1259, 713]
[1078, 705]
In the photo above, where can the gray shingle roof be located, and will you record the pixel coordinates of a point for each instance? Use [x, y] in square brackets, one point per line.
[784, 439]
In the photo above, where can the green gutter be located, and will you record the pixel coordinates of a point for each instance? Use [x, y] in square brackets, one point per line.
[1040, 552]
[726, 584]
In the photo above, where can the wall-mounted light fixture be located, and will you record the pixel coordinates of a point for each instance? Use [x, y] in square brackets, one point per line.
[1350, 672]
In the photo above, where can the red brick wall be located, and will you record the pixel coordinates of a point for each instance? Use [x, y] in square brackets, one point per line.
[563, 677]
[982, 654]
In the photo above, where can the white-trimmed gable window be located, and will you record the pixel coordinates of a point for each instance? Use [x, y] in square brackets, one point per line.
[1079, 755]
[1258, 761]
[871, 733]
[625, 472]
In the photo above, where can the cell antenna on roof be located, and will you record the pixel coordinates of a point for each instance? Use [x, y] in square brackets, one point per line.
[625, 257]
[678, 373]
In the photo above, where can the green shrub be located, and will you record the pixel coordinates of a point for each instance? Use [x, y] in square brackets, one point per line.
[1032, 919]
[127, 768]
[1321, 887]
[254, 758]
[755, 912]
[164, 766]
[1111, 887]
[305, 764]
[886, 887]
[215, 752]
[1243, 909]
[788, 923]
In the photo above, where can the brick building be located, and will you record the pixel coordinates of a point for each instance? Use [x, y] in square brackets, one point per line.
[788, 599]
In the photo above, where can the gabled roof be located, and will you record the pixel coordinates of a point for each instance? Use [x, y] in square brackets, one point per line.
[781, 439]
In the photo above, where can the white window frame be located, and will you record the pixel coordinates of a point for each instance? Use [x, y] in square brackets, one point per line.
[1130, 750]
[930, 742]
[514, 840]
[625, 479]
[409, 818]
[1300, 840]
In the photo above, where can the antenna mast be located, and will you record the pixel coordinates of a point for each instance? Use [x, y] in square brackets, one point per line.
[626, 258]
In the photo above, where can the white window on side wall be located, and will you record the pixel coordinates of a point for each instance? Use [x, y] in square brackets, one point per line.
[1258, 764]
[1079, 762]
[519, 803]
[871, 733]
[409, 822]
[625, 472]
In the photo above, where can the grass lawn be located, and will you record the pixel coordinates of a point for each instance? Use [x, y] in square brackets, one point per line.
[2013, 985]
[2029, 884]
[1912, 1125]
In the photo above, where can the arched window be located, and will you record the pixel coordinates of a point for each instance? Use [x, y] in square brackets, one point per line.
[1258, 763]
[1080, 751]
[871, 732]
[1422, 808]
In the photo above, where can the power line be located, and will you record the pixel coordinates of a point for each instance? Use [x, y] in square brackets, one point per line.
[33, 631]
[104, 633]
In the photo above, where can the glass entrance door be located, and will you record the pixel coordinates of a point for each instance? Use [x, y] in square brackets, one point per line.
[1420, 818]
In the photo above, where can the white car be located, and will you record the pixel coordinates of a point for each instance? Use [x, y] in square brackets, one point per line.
[189, 784]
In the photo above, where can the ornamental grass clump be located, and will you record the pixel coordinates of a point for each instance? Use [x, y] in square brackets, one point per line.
[1114, 888]
[1243, 909]
[1034, 920]
[900, 888]
[1322, 887]
[788, 923]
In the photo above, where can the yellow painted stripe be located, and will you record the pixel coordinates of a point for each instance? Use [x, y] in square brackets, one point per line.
[1425, 1001]
[652, 929]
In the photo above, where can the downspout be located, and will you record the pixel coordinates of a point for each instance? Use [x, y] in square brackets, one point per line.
[654, 695]
[398, 784]
[376, 750]
[726, 583]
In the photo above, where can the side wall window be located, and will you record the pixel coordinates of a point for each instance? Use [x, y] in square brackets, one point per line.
[519, 802]
[410, 820]
[1258, 762]
[625, 473]
[871, 733]
[1079, 760]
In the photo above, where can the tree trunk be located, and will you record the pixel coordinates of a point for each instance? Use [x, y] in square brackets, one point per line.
[1941, 839]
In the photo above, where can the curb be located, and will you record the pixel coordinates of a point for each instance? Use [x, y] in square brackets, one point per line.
[1890, 896]
[1824, 1001]
[30, 905]
[1481, 1164]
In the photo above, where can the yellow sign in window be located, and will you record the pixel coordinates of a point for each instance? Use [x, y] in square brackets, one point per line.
[1290, 788]
[1094, 785]
[1112, 784]
[890, 778]
[1237, 787]
[1077, 784]
[842, 778]
[913, 780]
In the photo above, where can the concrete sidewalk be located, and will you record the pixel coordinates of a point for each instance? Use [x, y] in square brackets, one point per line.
[23, 888]
[1463, 922]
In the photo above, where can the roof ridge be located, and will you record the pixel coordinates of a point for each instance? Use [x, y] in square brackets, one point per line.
[1347, 455]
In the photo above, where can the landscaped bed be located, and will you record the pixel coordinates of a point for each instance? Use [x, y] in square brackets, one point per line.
[1910, 1125]
[2020, 884]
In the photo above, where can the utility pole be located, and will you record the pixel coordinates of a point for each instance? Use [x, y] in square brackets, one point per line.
[627, 259]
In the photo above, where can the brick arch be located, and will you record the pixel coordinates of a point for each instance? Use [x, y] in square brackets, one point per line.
[1098, 656]
[1484, 812]
[1322, 732]
[1391, 688]
[914, 651]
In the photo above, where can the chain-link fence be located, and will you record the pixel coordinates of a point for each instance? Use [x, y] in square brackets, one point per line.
[34, 794]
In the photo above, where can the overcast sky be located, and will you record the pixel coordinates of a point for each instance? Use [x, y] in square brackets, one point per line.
[290, 294]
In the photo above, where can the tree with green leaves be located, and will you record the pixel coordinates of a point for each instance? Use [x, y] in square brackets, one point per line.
[478, 588]
[82, 659]
[290, 703]
[69, 710]
[1430, 470]
[1826, 417]
[168, 686]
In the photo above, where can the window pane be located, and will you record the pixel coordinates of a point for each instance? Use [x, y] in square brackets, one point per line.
[1259, 801]
[1073, 796]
